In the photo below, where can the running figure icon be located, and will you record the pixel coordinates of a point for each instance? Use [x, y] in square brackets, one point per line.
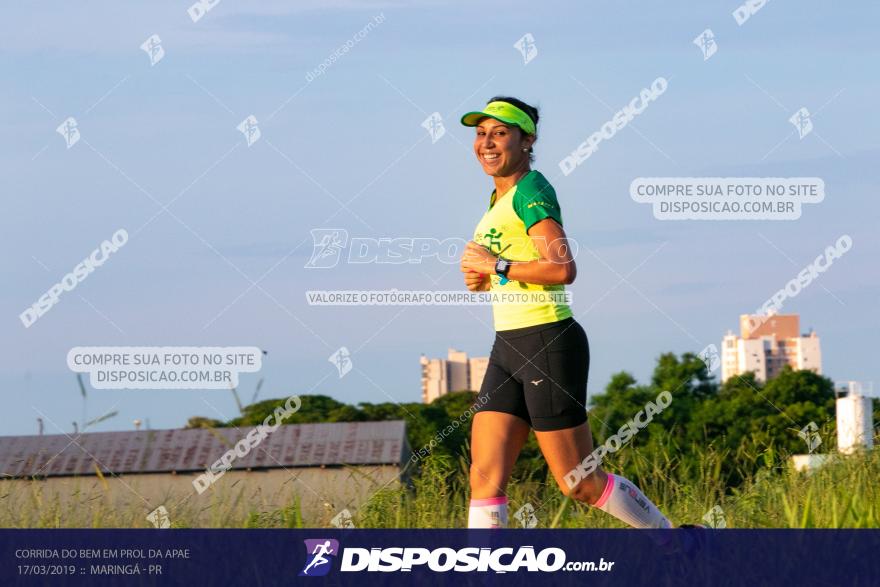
[319, 552]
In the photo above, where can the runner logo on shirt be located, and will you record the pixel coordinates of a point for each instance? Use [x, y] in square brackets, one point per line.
[494, 240]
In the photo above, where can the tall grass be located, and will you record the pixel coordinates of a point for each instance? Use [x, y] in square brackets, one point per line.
[842, 494]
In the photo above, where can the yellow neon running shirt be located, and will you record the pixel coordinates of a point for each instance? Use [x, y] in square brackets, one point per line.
[504, 230]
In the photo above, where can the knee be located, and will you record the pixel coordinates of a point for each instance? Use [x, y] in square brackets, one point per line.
[483, 481]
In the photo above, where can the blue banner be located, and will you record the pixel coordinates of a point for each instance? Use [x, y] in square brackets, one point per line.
[439, 557]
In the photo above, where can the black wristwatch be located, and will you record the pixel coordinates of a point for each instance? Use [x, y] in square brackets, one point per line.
[502, 266]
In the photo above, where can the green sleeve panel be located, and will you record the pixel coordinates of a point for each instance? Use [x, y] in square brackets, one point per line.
[535, 200]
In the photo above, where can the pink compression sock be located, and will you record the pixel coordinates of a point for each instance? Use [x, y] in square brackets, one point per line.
[488, 513]
[623, 500]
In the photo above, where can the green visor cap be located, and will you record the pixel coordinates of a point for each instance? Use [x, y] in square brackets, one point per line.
[506, 113]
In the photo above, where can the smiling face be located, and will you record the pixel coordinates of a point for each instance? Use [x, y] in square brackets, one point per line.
[499, 147]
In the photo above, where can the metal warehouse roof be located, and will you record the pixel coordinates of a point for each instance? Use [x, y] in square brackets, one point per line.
[160, 451]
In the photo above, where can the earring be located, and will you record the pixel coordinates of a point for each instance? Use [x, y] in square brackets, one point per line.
[526, 150]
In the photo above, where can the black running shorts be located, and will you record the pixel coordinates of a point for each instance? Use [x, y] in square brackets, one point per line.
[539, 373]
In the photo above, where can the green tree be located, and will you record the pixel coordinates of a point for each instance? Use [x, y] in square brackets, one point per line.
[314, 408]
[202, 422]
[623, 399]
[690, 384]
[758, 424]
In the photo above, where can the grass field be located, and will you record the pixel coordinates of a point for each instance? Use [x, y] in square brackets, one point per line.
[842, 494]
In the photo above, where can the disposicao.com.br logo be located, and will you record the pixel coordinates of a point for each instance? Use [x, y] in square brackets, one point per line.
[442, 560]
[318, 553]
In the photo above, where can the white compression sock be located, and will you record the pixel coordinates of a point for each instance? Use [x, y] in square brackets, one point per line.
[627, 503]
[488, 513]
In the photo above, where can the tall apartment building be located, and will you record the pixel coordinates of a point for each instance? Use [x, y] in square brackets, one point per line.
[766, 344]
[455, 373]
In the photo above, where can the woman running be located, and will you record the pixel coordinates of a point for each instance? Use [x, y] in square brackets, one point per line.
[537, 373]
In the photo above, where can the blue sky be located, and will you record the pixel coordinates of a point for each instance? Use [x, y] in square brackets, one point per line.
[168, 132]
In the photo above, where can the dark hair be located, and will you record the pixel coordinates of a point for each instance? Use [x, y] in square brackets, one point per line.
[527, 108]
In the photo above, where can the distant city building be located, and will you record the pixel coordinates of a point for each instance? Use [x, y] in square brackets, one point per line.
[855, 425]
[455, 373]
[766, 344]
